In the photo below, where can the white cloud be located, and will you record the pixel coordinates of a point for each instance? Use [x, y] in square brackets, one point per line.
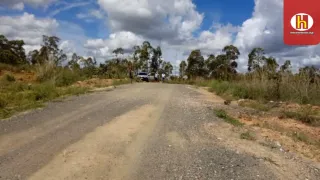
[214, 41]
[28, 28]
[68, 47]
[91, 15]
[167, 19]
[18, 6]
[74, 35]
[82, 15]
[96, 13]
[102, 49]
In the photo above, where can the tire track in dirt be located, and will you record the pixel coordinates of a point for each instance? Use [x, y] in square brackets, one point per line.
[110, 152]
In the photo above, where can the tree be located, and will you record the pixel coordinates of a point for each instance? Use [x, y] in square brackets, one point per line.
[256, 59]
[12, 52]
[103, 69]
[142, 55]
[156, 59]
[209, 65]
[232, 54]
[220, 67]
[270, 65]
[311, 72]
[167, 68]
[195, 64]
[73, 63]
[17, 48]
[89, 62]
[33, 57]
[50, 51]
[51, 43]
[118, 51]
[286, 66]
[89, 66]
[182, 69]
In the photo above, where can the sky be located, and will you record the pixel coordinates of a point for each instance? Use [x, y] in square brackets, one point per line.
[97, 27]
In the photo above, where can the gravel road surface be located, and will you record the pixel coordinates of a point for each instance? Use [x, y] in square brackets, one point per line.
[136, 132]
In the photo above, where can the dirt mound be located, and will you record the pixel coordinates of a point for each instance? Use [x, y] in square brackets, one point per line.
[95, 82]
[294, 135]
[20, 76]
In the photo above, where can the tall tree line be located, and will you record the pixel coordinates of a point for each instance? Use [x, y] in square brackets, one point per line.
[223, 66]
[145, 57]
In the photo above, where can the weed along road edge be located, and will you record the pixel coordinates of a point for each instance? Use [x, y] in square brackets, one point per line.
[139, 131]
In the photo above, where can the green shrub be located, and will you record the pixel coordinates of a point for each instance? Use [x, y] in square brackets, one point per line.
[304, 114]
[67, 77]
[240, 92]
[44, 91]
[73, 90]
[17, 86]
[3, 101]
[220, 87]
[46, 72]
[9, 78]
[255, 105]
[248, 135]
[221, 113]
[294, 88]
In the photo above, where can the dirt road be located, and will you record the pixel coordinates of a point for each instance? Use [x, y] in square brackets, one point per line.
[140, 131]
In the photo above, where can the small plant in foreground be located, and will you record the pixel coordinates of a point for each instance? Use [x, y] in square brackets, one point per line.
[9, 78]
[3, 102]
[223, 115]
[248, 135]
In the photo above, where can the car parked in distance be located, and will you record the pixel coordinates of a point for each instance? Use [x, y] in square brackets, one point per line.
[143, 76]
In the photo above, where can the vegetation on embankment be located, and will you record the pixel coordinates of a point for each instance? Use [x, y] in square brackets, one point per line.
[31, 86]
[22, 93]
[17, 96]
[264, 96]
[292, 88]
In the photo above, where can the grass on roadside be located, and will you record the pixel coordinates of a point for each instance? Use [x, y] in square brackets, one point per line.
[297, 88]
[305, 114]
[256, 105]
[16, 96]
[121, 81]
[300, 136]
[223, 115]
[48, 83]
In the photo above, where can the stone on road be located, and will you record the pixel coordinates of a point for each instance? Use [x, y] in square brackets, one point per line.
[139, 131]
